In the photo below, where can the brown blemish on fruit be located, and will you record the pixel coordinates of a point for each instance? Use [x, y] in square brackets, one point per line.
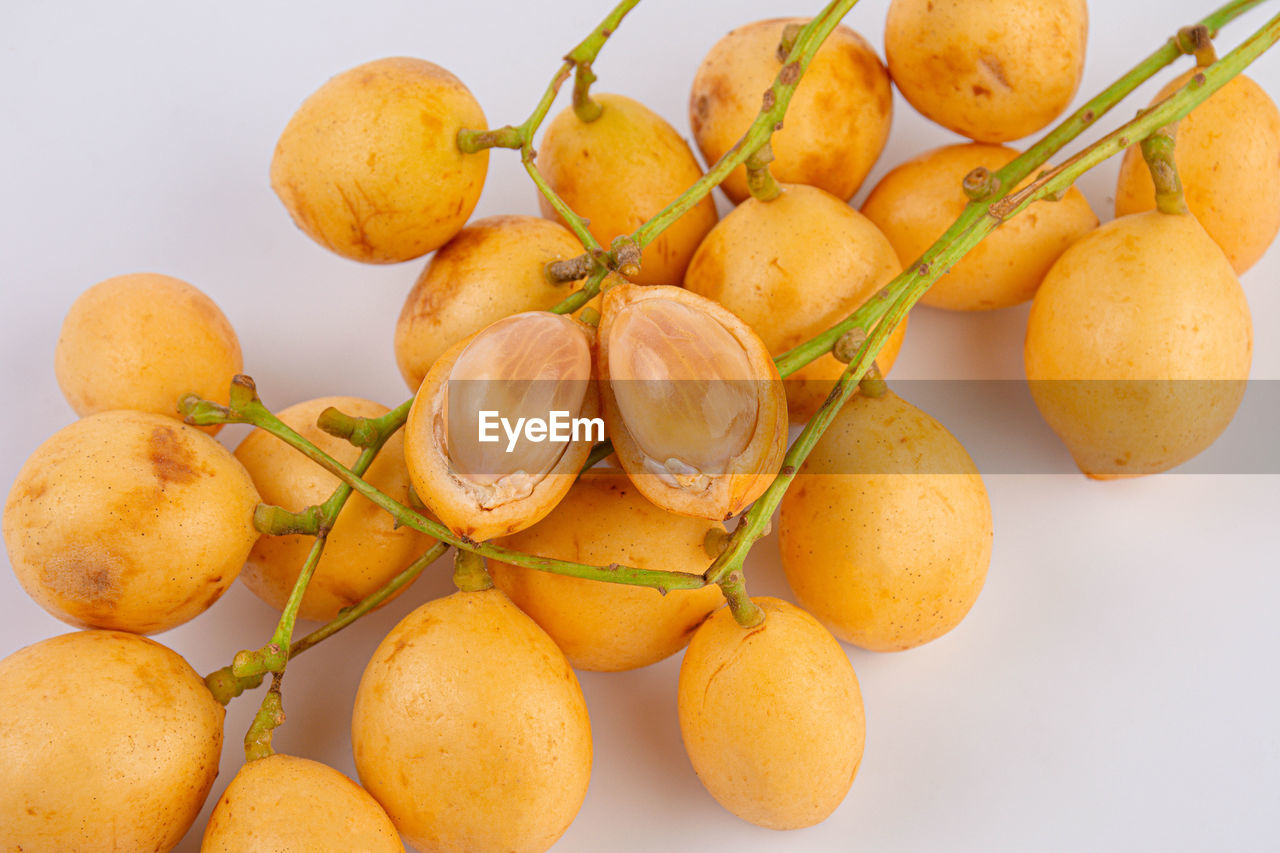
[171, 460]
[84, 576]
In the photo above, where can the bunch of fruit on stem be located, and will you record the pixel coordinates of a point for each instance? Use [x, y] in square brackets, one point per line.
[631, 309]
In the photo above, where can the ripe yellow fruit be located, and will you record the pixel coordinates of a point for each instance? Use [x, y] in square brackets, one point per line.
[108, 742]
[886, 533]
[293, 805]
[837, 122]
[364, 549]
[1139, 344]
[916, 202]
[619, 171]
[791, 268]
[527, 366]
[493, 268]
[129, 520]
[1227, 151]
[692, 401]
[470, 729]
[991, 70]
[143, 341]
[603, 626]
[369, 165]
[771, 716]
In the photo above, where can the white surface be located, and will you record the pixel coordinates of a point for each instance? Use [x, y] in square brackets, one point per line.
[1114, 688]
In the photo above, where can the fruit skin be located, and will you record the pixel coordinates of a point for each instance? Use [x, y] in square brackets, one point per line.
[886, 533]
[369, 166]
[620, 170]
[916, 202]
[143, 341]
[129, 520]
[108, 742]
[991, 70]
[493, 268]
[470, 728]
[837, 122]
[742, 479]
[364, 549]
[791, 268]
[437, 482]
[771, 716]
[1127, 316]
[286, 804]
[1226, 152]
[602, 626]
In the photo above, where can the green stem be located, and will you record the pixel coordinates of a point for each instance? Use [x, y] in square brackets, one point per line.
[907, 288]
[257, 741]
[745, 611]
[760, 181]
[586, 109]
[470, 574]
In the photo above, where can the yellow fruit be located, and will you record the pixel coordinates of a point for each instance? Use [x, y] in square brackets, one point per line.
[1227, 151]
[369, 165]
[108, 742]
[837, 122]
[991, 70]
[143, 341]
[364, 549]
[771, 716]
[886, 533]
[285, 804]
[791, 268]
[916, 202]
[493, 268]
[469, 458]
[1138, 345]
[129, 520]
[470, 729]
[605, 626]
[619, 171]
[692, 400]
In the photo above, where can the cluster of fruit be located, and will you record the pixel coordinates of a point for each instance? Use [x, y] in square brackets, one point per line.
[469, 730]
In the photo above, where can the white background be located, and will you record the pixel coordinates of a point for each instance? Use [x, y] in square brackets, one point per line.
[1114, 688]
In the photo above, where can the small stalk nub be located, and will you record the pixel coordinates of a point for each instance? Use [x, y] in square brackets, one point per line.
[790, 33]
[470, 574]
[586, 109]
[1158, 151]
[1198, 42]
[760, 181]
[980, 184]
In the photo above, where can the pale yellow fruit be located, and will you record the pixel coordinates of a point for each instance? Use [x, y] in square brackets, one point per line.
[604, 626]
[1139, 344]
[369, 165]
[837, 122]
[886, 532]
[470, 729]
[1227, 153]
[108, 742]
[527, 366]
[129, 520]
[143, 341]
[284, 804]
[493, 268]
[991, 70]
[622, 169]
[771, 716]
[916, 202]
[791, 268]
[364, 549]
[692, 401]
